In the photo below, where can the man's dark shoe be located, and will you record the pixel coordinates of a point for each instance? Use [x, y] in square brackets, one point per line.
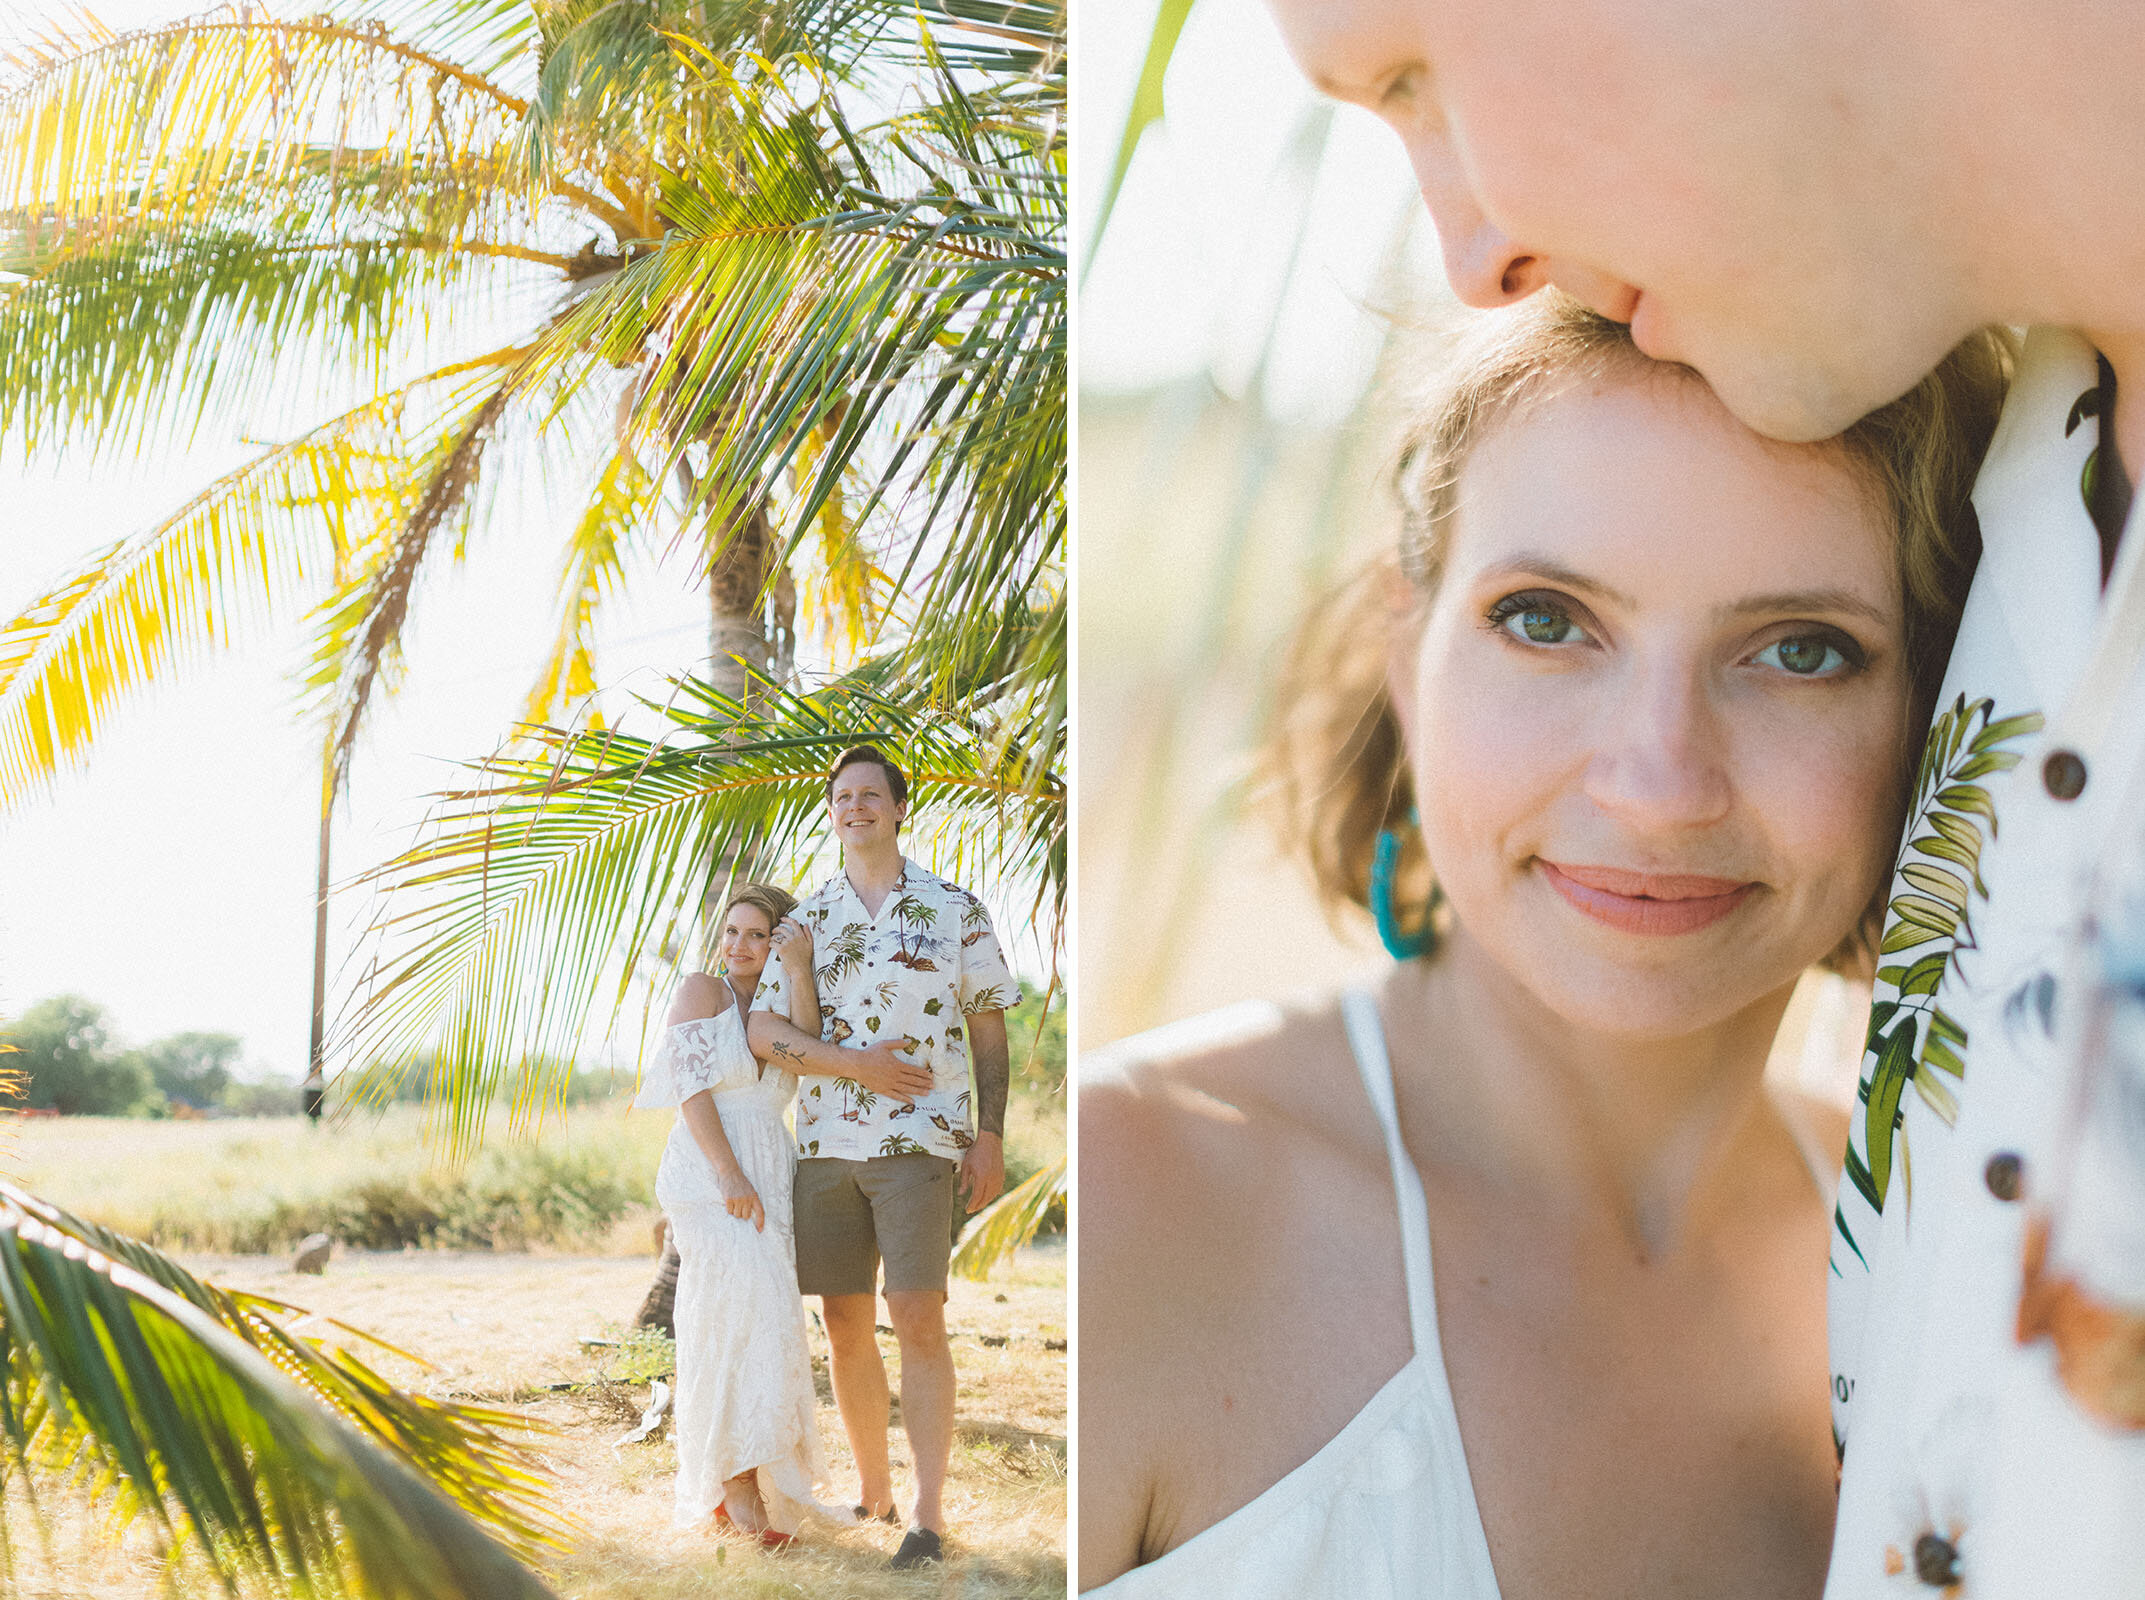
[920, 1546]
[890, 1516]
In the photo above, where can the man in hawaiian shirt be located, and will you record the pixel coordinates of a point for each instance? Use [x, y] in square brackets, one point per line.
[900, 954]
[1810, 202]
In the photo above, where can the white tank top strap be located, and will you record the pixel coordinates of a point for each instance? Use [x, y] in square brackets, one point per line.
[1366, 1038]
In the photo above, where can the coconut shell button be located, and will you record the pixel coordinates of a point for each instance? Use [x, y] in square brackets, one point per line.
[2005, 1175]
[2063, 774]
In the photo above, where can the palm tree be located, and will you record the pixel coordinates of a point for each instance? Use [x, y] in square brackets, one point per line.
[772, 313]
[799, 298]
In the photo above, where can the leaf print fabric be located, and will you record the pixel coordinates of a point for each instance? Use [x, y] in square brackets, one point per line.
[1964, 1078]
[914, 972]
[1931, 919]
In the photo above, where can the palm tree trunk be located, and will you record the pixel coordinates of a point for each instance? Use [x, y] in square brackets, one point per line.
[316, 1083]
[738, 645]
[659, 1309]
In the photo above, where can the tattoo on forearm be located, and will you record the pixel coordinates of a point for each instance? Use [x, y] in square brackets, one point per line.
[782, 1047]
[991, 1078]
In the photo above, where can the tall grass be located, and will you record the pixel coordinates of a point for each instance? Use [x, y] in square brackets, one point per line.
[247, 1186]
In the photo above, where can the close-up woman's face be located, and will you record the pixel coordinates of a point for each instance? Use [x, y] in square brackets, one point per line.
[1659, 705]
[745, 932]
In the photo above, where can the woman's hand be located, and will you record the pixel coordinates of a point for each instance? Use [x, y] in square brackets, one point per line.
[793, 948]
[739, 1198]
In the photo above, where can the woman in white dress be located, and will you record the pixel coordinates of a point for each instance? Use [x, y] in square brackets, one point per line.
[746, 1417]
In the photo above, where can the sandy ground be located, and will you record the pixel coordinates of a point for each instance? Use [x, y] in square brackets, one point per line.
[506, 1329]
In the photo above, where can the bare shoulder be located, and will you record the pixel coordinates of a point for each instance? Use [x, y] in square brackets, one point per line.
[1823, 1123]
[699, 994]
[1168, 1115]
[1220, 1160]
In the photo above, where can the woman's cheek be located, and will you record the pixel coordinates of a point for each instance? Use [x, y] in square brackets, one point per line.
[1496, 739]
[1825, 780]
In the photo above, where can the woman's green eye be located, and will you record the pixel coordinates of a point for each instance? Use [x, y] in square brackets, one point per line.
[1805, 656]
[1538, 626]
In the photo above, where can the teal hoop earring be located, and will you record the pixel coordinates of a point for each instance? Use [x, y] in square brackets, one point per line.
[1384, 867]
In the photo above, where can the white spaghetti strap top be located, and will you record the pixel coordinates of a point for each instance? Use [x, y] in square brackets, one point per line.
[1386, 1510]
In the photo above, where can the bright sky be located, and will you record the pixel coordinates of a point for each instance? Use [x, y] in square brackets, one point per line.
[1195, 254]
[172, 880]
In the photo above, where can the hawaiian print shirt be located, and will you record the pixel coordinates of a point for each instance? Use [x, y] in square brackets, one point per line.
[915, 972]
[1967, 1469]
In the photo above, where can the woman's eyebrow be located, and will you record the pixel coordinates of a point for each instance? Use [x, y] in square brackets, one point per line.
[1811, 600]
[1545, 569]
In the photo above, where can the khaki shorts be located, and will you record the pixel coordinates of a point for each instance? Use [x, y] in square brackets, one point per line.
[852, 1214]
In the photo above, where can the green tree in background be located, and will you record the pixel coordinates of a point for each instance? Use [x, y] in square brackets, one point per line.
[194, 1068]
[71, 1061]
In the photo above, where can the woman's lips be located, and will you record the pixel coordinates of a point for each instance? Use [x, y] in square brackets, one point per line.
[1646, 902]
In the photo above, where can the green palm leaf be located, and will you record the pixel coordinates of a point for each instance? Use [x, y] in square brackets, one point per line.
[277, 1456]
[216, 570]
[1011, 1220]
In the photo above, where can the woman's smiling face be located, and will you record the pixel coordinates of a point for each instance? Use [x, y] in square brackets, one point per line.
[1659, 705]
[745, 942]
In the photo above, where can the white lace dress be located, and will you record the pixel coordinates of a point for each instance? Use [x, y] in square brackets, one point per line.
[745, 1396]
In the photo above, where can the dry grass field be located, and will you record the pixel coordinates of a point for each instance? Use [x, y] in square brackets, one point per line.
[247, 1185]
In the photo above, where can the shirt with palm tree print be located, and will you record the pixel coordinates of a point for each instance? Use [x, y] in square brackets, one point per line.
[914, 973]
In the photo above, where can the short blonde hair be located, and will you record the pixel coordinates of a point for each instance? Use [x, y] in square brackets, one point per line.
[773, 903]
[1335, 764]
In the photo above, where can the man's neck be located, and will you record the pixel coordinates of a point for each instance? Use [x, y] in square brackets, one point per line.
[873, 875]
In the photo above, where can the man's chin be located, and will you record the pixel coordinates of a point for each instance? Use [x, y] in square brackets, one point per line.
[1798, 397]
[1795, 405]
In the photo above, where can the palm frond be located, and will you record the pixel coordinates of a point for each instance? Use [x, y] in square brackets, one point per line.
[1015, 42]
[227, 98]
[449, 476]
[1010, 1221]
[622, 502]
[217, 568]
[1144, 112]
[190, 212]
[842, 587]
[905, 353]
[122, 338]
[556, 883]
[277, 1456]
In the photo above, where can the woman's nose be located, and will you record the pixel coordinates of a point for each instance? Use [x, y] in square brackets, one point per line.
[1661, 760]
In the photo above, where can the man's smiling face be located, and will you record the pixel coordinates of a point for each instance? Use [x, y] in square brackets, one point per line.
[1749, 186]
[862, 807]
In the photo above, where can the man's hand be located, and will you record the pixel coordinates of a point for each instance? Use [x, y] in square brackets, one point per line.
[883, 1069]
[982, 1177]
